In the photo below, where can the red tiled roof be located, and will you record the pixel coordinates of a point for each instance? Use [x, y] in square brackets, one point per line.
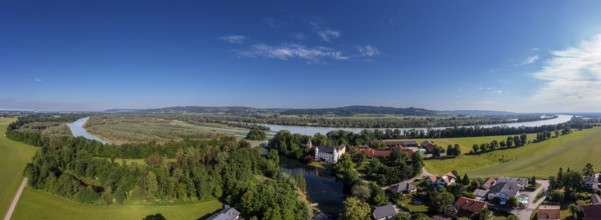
[471, 205]
[433, 178]
[430, 147]
[373, 152]
[548, 212]
[488, 183]
[591, 212]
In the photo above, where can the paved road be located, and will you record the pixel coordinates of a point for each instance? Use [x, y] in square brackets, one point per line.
[13, 205]
[524, 214]
[420, 176]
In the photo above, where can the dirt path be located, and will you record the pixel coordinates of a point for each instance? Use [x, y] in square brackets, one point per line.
[13, 205]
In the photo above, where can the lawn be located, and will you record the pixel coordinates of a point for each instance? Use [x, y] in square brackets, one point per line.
[41, 205]
[541, 159]
[13, 157]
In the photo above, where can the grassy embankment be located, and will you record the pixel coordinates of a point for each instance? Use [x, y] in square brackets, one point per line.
[35, 204]
[140, 129]
[541, 159]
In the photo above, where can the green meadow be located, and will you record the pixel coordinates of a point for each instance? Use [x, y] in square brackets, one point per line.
[541, 159]
[41, 205]
[13, 158]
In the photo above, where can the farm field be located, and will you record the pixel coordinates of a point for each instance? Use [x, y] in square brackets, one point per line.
[140, 129]
[541, 159]
[465, 142]
[41, 205]
[13, 158]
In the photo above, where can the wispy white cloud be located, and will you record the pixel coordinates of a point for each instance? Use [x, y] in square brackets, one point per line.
[274, 23]
[573, 78]
[235, 39]
[368, 51]
[293, 51]
[529, 60]
[37, 80]
[325, 33]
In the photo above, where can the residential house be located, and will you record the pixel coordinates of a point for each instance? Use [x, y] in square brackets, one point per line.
[385, 212]
[228, 213]
[441, 181]
[595, 199]
[404, 188]
[591, 212]
[488, 183]
[329, 154]
[548, 212]
[592, 182]
[427, 146]
[481, 193]
[370, 152]
[506, 187]
[465, 207]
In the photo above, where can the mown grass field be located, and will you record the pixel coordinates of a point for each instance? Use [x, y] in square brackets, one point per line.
[13, 158]
[41, 205]
[466, 143]
[541, 159]
[140, 129]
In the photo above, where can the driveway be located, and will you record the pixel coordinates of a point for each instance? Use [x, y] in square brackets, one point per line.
[524, 214]
[420, 176]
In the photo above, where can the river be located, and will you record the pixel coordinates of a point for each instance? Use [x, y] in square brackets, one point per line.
[78, 130]
[308, 130]
[322, 187]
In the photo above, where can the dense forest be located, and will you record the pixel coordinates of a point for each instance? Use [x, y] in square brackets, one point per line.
[201, 170]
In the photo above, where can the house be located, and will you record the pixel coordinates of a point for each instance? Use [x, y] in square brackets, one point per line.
[465, 207]
[481, 193]
[504, 191]
[595, 199]
[591, 212]
[404, 188]
[521, 182]
[228, 213]
[385, 212]
[488, 183]
[441, 181]
[329, 154]
[592, 182]
[372, 152]
[428, 146]
[548, 212]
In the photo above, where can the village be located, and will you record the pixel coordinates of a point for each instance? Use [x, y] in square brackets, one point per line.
[478, 198]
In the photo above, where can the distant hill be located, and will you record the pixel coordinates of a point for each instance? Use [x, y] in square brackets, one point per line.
[478, 112]
[202, 109]
[358, 109]
[338, 111]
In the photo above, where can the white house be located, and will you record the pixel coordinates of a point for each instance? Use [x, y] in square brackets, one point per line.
[441, 181]
[329, 154]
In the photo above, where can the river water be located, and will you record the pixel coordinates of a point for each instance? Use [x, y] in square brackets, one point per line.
[78, 130]
[307, 130]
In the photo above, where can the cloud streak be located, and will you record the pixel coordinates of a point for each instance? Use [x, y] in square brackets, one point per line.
[572, 78]
[368, 51]
[325, 33]
[293, 51]
[234, 39]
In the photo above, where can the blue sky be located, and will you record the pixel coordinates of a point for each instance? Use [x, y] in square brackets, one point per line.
[525, 56]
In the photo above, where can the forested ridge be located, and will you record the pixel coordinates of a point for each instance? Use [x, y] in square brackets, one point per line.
[201, 170]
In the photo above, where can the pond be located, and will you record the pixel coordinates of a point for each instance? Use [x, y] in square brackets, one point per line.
[322, 187]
